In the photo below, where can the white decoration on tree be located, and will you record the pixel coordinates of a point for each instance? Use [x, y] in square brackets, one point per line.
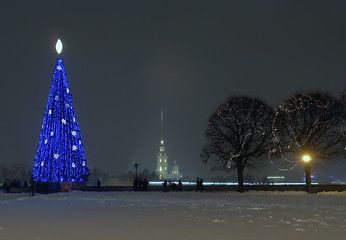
[45, 141]
[59, 68]
[74, 133]
[56, 97]
[63, 121]
[67, 90]
[42, 163]
[51, 133]
[74, 147]
[73, 165]
[80, 142]
[50, 112]
[56, 156]
[74, 119]
[83, 164]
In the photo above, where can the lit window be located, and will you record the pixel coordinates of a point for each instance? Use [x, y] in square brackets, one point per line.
[160, 168]
[165, 160]
[160, 160]
[165, 168]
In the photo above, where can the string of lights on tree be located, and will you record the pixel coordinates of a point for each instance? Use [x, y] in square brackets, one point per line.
[238, 131]
[308, 123]
[60, 156]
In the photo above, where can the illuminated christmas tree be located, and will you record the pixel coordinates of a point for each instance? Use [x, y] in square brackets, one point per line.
[60, 156]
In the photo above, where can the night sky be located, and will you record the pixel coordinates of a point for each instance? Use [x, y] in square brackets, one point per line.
[125, 60]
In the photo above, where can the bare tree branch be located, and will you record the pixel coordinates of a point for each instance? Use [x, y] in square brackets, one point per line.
[238, 133]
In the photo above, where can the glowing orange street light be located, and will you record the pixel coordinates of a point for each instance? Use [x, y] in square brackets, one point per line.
[306, 158]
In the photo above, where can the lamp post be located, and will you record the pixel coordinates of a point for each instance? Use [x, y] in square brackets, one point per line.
[136, 166]
[307, 166]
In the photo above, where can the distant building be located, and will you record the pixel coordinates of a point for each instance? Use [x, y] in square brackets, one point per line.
[162, 162]
[276, 179]
[175, 168]
[175, 175]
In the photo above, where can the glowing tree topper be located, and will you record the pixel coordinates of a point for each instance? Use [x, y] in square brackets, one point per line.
[60, 155]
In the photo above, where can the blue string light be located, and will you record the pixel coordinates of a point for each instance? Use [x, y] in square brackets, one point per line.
[60, 155]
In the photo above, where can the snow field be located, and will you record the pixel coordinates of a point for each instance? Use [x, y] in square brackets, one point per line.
[182, 215]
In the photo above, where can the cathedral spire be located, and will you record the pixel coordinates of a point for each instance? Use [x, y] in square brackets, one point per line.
[162, 164]
[162, 141]
[161, 124]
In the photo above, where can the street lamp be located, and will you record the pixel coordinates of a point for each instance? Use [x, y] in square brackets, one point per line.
[306, 158]
[136, 166]
[307, 166]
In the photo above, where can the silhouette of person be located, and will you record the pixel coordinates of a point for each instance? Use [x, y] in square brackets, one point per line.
[180, 186]
[98, 185]
[198, 184]
[174, 187]
[135, 184]
[164, 186]
[145, 184]
[140, 184]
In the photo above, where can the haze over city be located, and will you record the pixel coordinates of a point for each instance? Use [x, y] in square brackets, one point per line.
[125, 61]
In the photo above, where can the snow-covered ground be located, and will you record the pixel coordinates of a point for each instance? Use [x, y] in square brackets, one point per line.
[182, 215]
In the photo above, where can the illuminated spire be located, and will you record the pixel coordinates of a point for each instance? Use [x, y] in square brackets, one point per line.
[162, 143]
[161, 124]
[162, 163]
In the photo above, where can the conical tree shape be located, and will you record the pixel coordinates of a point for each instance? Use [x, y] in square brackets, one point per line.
[60, 156]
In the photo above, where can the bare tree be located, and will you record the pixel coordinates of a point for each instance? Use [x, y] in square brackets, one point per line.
[5, 173]
[310, 123]
[16, 171]
[238, 133]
